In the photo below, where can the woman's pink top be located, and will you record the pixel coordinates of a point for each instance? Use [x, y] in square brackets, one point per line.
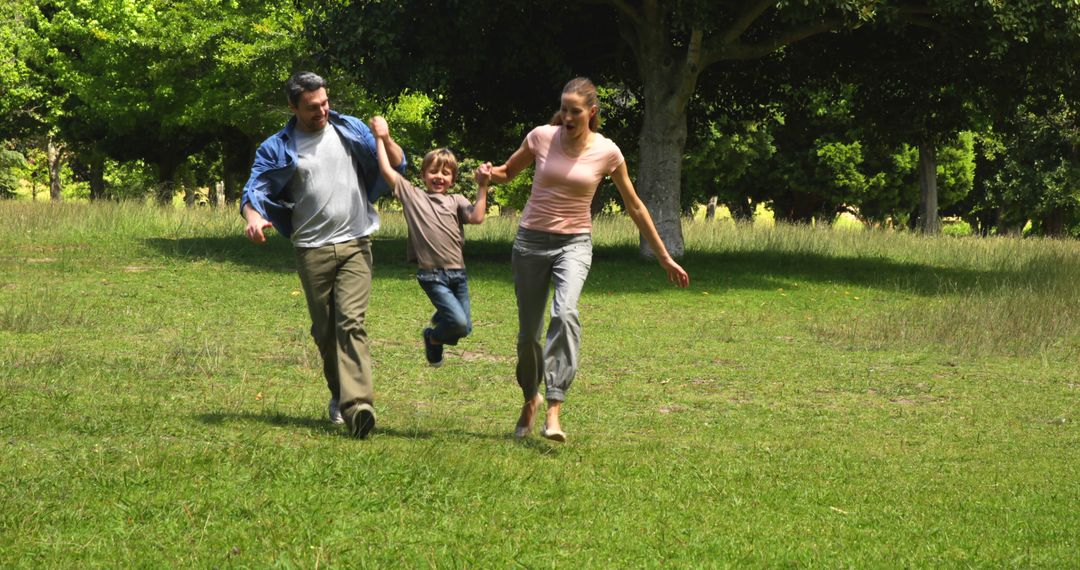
[563, 186]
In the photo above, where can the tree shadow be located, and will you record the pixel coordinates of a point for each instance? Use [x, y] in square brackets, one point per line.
[275, 255]
[618, 269]
[770, 270]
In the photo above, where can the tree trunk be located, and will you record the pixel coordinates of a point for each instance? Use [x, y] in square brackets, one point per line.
[596, 207]
[663, 137]
[166, 184]
[216, 196]
[96, 163]
[185, 180]
[710, 209]
[1053, 222]
[237, 154]
[669, 78]
[191, 196]
[56, 161]
[797, 207]
[742, 210]
[929, 223]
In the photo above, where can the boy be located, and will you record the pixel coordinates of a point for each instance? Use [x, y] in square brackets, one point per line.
[436, 237]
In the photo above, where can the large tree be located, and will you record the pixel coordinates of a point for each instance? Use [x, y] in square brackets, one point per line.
[160, 80]
[508, 49]
[505, 60]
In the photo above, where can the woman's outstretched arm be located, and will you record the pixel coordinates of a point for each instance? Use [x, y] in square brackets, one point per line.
[644, 223]
[517, 162]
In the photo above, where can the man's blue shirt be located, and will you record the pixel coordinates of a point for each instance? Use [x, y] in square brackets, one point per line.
[275, 164]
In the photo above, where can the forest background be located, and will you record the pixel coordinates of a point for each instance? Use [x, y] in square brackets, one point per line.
[895, 112]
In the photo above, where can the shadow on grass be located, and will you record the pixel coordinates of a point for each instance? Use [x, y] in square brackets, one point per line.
[316, 425]
[619, 269]
[768, 270]
[321, 426]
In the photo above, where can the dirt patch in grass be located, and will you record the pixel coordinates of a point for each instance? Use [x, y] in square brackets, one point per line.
[479, 356]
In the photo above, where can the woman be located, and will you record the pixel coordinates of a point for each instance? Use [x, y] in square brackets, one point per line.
[554, 244]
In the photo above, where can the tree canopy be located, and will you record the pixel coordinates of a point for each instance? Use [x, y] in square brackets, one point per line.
[892, 109]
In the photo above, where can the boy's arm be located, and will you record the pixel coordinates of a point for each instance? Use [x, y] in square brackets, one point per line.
[478, 210]
[381, 130]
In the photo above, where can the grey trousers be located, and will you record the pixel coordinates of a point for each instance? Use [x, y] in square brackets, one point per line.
[337, 284]
[540, 260]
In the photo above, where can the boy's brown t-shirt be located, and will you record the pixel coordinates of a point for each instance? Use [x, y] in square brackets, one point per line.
[436, 226]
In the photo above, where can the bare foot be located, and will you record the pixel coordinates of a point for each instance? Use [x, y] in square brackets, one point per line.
[528, 412]
[552, 428]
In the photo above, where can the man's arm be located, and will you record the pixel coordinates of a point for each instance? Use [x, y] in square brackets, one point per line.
[394, 153]
[257, 205]
[255, 224]
[384, 146]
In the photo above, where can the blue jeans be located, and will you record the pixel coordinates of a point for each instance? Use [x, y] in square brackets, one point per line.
[448, 290]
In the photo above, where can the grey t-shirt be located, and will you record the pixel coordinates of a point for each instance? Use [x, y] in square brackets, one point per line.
[329, 202]
[436, 235]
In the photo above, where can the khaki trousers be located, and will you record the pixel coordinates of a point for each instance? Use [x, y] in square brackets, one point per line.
[337, 283]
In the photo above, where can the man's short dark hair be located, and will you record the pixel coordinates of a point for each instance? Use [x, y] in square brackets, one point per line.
[301, 82]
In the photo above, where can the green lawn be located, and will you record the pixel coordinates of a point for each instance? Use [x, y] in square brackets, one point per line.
[817, 397]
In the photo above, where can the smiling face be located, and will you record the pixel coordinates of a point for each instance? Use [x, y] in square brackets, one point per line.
[439, 170]
[312, 110]
[438, 178]
[576, 114]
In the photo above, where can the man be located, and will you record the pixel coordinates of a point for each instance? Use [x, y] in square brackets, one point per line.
[315, 182]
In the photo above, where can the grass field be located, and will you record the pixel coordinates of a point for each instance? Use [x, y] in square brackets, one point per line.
[815, 398]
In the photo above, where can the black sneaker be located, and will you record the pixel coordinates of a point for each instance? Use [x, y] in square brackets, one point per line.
[361, 423]
[432, 351]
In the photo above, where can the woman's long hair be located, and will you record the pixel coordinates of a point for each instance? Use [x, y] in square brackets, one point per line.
[585, 88]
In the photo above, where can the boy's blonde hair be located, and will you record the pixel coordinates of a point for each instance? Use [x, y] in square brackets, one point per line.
[437, 159]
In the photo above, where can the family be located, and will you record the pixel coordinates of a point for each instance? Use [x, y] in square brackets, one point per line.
[317, 186]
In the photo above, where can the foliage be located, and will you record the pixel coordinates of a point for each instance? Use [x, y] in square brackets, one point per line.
[721, 163]
[1030, 169]
[956, 228]
[411, 122]
[128, 180]
[25, 96]
[158, 81]
[512, 195]
[811, 107]
[11, 162]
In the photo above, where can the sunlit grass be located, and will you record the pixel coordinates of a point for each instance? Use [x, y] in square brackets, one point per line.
[818, 397]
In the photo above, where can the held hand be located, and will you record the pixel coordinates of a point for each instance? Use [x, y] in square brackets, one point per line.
[255, 226]
[379, 127]
[483, 174]
[675, 273]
